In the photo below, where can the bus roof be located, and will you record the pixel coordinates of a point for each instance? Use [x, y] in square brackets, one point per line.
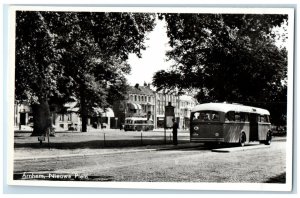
[226, 107]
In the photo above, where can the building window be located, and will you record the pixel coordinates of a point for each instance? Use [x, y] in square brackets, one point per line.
[69, 117]
[135, 98]
[61, 117]
[131, 97]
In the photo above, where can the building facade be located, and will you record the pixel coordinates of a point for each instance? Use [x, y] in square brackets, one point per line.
[22, 115]
[140, 101]
[186, 103]
[66, 118]
[182, 108]
[162, 99]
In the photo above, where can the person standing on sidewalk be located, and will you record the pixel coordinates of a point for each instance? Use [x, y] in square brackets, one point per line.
[175, 131]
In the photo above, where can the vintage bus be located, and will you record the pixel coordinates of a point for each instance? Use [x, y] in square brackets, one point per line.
[138, 124]
[229, 123]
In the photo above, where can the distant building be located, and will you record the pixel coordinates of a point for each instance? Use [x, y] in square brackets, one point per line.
[65, 118]
[139, 102]
[162, 99]
[182, 108]
[22, 114]
[68, 118]
[186, 103]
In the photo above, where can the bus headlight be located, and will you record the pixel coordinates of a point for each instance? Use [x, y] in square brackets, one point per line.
[217, 134]
[196, 128]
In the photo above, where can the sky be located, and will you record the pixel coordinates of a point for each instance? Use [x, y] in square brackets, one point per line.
[153, 58]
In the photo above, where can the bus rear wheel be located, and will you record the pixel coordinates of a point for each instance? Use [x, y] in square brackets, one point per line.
[242, 139]
[268, 138]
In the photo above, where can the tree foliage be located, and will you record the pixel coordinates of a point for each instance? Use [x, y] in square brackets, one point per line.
[62, 55]
[227, 57]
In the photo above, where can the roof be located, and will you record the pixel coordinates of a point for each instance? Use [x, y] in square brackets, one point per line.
[141, 90]
[226, 107]
[186, 98]
[107, 112]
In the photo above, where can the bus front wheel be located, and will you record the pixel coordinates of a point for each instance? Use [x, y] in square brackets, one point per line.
[242, 139]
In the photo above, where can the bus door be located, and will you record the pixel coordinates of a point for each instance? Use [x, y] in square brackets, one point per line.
[253, 127]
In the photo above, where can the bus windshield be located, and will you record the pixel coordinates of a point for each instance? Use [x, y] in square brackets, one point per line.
[204, 116]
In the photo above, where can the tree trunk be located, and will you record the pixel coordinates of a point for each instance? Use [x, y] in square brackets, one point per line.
[84, 113]
[41, 118]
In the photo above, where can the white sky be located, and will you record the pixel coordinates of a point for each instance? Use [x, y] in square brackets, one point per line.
[153, 58]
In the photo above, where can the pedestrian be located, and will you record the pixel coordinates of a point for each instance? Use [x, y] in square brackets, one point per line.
[175, 131]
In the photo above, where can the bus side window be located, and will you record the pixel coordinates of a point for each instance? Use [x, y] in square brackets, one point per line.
[267, 118]
[244, 117]
[258, 118]
[229, 116]
[215, 116]
[237, 117]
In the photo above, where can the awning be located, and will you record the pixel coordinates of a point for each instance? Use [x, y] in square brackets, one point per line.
[132, 105]
[186, 108]
[139, 106]
[71, 107]
[24, 108]
[108, 112]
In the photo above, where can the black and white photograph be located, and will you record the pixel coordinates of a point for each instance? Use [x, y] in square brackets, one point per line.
[156, 98]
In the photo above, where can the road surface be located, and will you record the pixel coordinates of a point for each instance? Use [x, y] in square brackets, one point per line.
[199, 164]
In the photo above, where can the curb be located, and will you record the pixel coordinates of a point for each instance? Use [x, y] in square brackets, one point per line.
[244, 148]
[171, 147]
[162, 148]
[80, 155]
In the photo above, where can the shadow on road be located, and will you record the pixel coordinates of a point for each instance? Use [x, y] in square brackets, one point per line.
[94, 144]
[278, 179]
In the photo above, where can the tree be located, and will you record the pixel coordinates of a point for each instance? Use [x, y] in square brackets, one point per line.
[90, 52]
[226, 57]
[37, 66]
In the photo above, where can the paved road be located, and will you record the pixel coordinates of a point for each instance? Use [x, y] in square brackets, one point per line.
[176, 165]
